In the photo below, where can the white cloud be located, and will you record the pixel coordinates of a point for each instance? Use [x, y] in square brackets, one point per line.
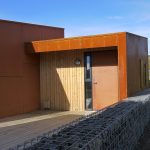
[115, 17]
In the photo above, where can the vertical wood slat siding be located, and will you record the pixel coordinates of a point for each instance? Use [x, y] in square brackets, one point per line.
[62, 82]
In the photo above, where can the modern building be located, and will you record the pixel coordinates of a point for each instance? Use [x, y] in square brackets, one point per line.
[40, 69]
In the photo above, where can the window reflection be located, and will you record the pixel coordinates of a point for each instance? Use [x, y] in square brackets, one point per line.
[88, 67]
[88, 93]
[88, 89]
[88, 82]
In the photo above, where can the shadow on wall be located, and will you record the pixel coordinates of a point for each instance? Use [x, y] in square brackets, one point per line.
[62, 82]
[53, 96]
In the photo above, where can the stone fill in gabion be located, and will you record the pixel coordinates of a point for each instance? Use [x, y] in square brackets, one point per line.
[116, 128]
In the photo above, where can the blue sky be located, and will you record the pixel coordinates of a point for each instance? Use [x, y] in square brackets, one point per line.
[82, 17]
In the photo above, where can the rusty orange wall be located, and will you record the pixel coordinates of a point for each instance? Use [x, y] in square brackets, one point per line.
[137, 49]
[20, 72]
[122, 66]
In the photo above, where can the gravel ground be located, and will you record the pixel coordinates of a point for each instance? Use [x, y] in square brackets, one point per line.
[144, 142]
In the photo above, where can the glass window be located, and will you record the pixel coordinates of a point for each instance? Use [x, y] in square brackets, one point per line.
[88, 82]
[88, 69]
[88, 89]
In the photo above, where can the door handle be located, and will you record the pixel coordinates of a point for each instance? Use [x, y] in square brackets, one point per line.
[94, 82]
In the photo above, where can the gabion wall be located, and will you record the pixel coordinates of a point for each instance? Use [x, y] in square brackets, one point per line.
[118, 127]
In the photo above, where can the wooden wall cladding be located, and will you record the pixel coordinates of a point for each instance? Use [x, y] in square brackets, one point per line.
[62, 82]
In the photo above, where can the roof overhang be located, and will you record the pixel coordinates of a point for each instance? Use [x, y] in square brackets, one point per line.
[75, 43]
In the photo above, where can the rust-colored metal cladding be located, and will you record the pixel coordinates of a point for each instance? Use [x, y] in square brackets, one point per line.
[137, 63]
[19, 71]
[105, 40]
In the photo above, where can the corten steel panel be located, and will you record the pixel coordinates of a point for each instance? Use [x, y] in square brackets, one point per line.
[10, 54]
[106, 40]
[30, 84]
[122, 68]
[10, 96]
[20, 72]
[137, 56]
[104, 78]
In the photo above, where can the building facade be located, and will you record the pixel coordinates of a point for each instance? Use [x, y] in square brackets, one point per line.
[40, 71]
[19, 71]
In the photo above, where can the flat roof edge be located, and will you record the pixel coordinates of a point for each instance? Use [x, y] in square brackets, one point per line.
[27, 23]
[86, 36]
[133, 34]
